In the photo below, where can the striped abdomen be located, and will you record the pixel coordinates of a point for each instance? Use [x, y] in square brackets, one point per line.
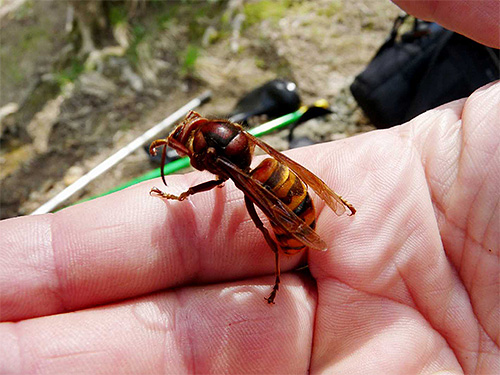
[291, 191]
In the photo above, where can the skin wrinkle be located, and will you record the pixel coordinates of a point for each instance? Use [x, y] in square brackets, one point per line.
[470, 284]
[166, 332]
[60, 291]
[469, 223]
[456, 347]
[189, 268]
[414, 303]
[321, 212]
[197, 246]
[423, 151]
[453, 346]
[466, 236]
[478, 356]
[316, 297]
[476, 316]
[394, 263]
[311, 351]
[457, 350]
[373, 294]
[314, 329]
[464, 151]
[489, 312]
[426, 357]
[484, 338]
[405, 143]
[491, 222]
[383, 297]
[466, 231]
[430, 189]
[75, 354]
[191, 338]
[180, 320]
[235, 320]
[232, 199]
[435, 202]
[445, 309]
[431, 181]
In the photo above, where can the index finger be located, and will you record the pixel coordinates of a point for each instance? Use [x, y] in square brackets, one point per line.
[128, 244]
[121, 246]
[477, 20]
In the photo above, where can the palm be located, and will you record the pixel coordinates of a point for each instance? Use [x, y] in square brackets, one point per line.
[412, 285]
[409, 284]
[400, 291]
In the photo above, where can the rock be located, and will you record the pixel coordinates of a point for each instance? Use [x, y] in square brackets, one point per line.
[40, 127]
[95, 84]
[73, 174]
[133, 79]
[8, 109]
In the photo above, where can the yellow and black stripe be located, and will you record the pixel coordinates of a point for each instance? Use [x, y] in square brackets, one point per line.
[290, 189]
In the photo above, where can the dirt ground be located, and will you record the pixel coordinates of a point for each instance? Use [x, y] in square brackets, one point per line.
[74, 111]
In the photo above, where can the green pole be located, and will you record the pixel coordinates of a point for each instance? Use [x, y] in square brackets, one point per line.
[182, 163]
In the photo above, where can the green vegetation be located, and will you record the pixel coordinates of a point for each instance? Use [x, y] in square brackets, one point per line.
[33, 39]
[10, 67]
[166, 14]
[260, 63]
[139, 32]
[70, 73]
[333, 8]
[265, 9]
[190, 55]
[117, 14]
[33, 36]
[24, 11]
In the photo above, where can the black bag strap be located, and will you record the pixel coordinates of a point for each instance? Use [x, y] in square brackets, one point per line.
[391, 39]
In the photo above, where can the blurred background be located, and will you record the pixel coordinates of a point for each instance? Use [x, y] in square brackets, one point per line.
[81, 79]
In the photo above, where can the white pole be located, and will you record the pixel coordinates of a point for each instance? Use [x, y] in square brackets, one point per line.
[121, 154]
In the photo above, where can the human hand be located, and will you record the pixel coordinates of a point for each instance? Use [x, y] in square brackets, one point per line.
[477, 20]
[409, 284]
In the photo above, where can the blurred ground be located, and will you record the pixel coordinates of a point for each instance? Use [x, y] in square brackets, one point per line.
[71, 107]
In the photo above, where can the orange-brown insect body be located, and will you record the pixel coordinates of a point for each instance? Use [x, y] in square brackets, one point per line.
[278, 185]
[290, 189]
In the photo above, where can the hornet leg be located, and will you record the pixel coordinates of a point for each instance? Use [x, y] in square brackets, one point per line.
[205, 186]
[258, 223]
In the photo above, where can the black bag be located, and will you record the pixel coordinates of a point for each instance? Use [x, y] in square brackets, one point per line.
[428, 67]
